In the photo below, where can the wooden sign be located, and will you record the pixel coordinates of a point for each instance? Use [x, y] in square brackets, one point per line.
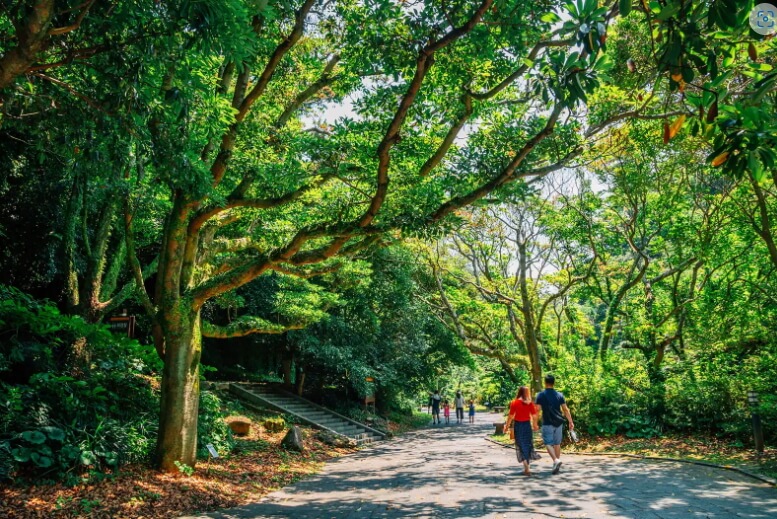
[124, 324]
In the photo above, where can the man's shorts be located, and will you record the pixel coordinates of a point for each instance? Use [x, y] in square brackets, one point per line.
[551, 435]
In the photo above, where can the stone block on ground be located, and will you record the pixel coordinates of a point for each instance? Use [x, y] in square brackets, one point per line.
[293, 440]
[239, 425]
[335, 440]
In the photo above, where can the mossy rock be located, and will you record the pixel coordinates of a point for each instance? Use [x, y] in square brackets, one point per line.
[274, 425]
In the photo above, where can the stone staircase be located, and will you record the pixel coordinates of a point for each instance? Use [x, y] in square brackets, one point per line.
[306, 411]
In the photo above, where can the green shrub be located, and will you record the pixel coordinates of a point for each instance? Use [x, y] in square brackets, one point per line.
[73, 396]
[211, 428]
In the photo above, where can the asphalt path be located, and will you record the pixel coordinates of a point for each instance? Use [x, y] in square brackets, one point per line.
[451, 471]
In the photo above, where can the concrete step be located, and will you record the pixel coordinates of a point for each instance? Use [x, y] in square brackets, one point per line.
[331, 425]
[307, 411]
[318, 415]
[348, 430]
[303, 409]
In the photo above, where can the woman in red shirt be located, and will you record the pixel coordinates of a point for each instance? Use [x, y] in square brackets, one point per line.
[523, 416]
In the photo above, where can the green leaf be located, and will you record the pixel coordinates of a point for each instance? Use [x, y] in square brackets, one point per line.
[754, 164]
[34, 437]
[625, 7]
[54, 433]
[70, 453]
[668, 12]
[43, 462]
[21, 454]
[88, 458]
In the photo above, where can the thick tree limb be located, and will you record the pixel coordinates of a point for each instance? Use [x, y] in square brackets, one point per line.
[505, 175]
[450, 137]
[32, 36]
[423, 64]
[84, 9]
[219, 166]
[244, 326]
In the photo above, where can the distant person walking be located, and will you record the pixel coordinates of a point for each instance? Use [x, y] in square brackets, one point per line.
[446, 411]
[554, 409]
[471, 411]
[458, 403]
[436, 399]
[523, 418]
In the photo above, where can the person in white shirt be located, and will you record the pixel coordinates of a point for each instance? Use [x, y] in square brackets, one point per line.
[458, 403]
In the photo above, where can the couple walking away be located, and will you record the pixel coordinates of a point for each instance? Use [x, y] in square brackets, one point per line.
[523, 417]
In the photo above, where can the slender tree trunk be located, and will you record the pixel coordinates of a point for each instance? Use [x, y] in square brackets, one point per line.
[300, 380]
[532, 346]
[177, 440]
[657, 393]
[286, 367]
[606, 338]
[530, 327]
[654, 354]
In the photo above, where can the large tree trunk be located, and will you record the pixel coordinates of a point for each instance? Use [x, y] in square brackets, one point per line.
[177, 440]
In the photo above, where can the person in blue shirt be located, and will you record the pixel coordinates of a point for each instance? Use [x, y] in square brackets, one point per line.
[554, 409]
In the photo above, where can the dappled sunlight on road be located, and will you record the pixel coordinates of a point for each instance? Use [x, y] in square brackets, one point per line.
[451, 471]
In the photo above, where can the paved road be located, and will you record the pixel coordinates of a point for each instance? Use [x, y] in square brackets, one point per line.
[452, 472]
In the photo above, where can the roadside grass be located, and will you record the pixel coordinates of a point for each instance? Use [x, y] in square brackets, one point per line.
[400, 423]
[719, 451]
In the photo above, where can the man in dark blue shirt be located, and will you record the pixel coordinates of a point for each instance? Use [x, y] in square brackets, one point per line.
[554, 409]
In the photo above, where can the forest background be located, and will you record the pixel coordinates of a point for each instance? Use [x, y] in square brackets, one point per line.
[431, 194]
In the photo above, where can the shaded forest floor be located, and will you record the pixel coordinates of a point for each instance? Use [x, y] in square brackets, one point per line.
[692, 448]
[257, 466]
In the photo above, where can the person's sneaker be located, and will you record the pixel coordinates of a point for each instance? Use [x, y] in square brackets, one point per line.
[556, 466]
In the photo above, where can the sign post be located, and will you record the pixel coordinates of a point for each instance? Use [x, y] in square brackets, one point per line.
[369, 399]
[212, 453]
[758, 432]
[124, 324]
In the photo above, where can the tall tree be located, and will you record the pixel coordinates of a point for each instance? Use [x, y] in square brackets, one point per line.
[232, 172]
[264, 193]
[519, 260]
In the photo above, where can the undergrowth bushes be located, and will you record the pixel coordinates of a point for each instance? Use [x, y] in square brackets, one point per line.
[77, 400]
[705, 393]
[74, 397]
[211, 427]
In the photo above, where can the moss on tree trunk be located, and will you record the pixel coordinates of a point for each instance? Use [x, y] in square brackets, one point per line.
[177, 440]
